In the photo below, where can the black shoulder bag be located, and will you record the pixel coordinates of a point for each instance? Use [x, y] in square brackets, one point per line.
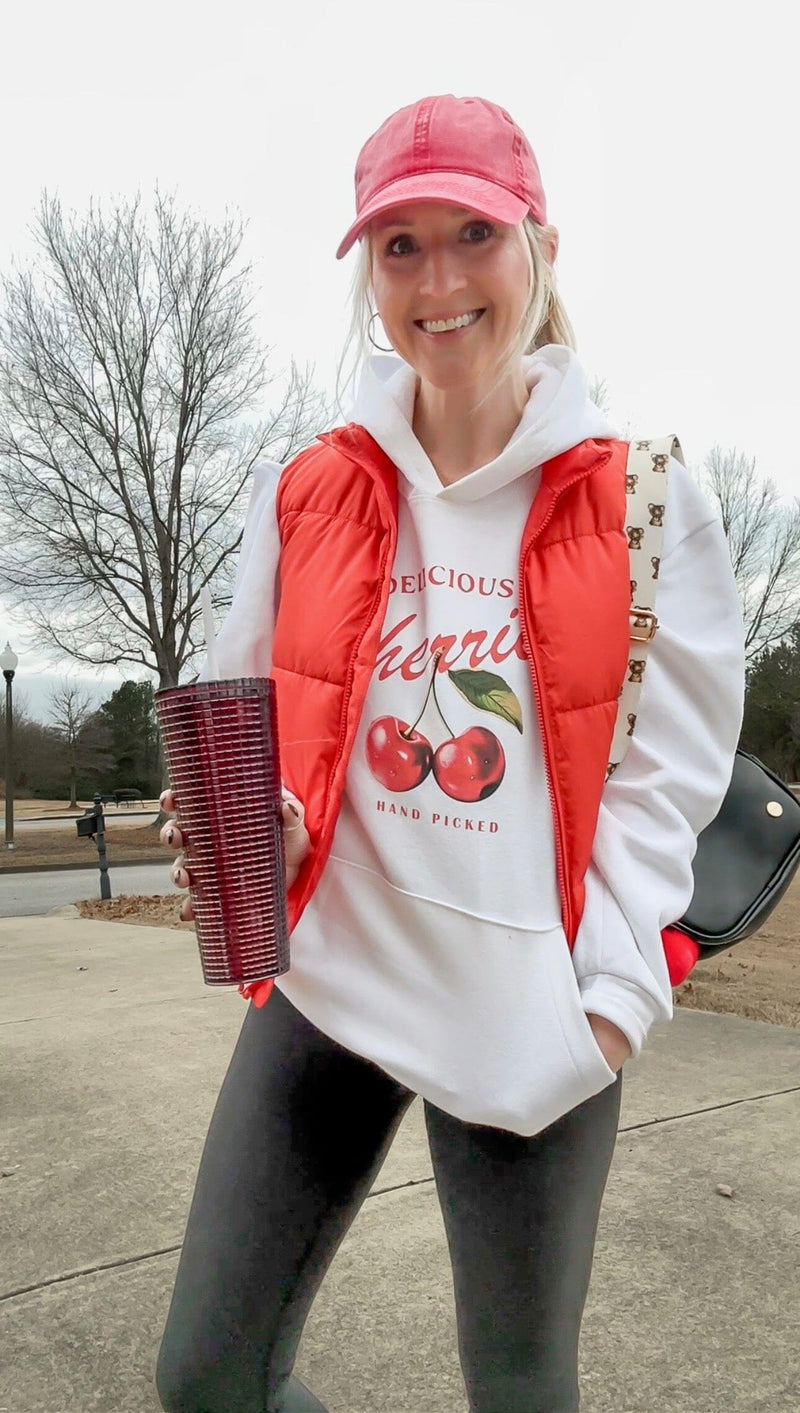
[747, 856]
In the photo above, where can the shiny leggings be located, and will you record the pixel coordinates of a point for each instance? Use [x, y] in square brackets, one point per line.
[300, 1130]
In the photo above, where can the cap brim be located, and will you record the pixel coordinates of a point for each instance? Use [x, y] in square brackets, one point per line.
[475, 193]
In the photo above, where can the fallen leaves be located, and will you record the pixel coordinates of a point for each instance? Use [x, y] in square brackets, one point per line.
[145, 911]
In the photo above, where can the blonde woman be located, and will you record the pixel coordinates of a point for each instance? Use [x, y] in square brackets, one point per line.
[440, 589]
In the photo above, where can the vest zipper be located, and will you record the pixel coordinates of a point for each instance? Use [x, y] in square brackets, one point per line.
[566, 906]
[348, 686]
[325, 841]
[324, 844]
[566, 910]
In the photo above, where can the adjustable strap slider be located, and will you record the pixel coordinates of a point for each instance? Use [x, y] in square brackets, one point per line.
[643, 625]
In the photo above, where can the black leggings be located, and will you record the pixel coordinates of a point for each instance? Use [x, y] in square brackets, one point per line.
[300, 1130]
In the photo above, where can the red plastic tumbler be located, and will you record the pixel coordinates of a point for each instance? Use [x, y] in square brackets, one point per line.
[221, 747]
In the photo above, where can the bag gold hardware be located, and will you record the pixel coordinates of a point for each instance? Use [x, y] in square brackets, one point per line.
[643, 626]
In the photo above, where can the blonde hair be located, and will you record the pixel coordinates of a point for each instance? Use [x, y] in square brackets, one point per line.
[544, 319]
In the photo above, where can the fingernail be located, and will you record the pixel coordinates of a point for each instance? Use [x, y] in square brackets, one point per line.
[170, 835]
[294, 809]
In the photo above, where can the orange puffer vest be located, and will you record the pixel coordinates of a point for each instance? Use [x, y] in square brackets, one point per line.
[337, 513]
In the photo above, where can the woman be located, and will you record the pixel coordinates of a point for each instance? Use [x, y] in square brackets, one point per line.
[441, 591]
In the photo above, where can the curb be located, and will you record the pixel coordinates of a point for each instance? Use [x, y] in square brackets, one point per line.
[72, 913]
[82, 867]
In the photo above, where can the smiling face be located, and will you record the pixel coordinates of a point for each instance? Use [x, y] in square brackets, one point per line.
[433, 261]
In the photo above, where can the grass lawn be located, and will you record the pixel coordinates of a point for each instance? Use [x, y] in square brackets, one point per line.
[46, 848]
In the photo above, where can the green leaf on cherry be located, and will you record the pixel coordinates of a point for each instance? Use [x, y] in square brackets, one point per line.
[488, 692]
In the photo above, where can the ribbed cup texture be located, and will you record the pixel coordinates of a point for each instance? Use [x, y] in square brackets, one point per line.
[221, 747]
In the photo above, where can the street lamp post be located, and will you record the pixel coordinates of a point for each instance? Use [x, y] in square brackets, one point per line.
[8, 662]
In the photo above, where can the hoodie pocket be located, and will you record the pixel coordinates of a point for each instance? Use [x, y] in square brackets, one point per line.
[587, 1058]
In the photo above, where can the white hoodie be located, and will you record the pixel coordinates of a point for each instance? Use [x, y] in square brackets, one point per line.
[433, 944]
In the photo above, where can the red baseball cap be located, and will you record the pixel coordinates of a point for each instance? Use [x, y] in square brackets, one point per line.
[465, 150]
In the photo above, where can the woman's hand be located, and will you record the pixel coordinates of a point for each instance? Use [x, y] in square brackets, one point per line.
[172, 837]
[612, 1041]
[295, 836]
[296, 841]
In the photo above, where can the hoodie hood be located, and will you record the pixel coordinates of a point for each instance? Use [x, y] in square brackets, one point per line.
[558, 415]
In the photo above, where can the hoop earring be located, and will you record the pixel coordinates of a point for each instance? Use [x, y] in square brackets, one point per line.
[380, 348]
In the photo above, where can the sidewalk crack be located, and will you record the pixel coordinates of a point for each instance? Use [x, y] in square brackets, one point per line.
[377, 1192]
[710, 1109]
[400, 1186]
[89, 1271]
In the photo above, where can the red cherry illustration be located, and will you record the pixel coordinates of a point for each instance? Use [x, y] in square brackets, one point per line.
[470, 766]
[398, 755]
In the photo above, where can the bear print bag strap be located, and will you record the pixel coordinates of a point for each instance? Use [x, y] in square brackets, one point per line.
[646, 478]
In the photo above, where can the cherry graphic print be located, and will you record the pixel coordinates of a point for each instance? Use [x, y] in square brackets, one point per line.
[470, 767]
[399, 756]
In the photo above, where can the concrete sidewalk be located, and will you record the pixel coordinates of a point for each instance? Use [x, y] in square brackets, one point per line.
[114, 1052]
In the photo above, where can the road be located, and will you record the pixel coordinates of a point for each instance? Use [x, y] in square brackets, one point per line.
[29, 894]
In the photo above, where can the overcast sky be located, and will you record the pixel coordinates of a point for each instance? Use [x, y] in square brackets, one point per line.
[665, 134]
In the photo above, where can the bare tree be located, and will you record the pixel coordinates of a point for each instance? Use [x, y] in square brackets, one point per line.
[601, 397]
[764, 540]
[21, 705]
[598, 392]
[70, 710]
[128, 364]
